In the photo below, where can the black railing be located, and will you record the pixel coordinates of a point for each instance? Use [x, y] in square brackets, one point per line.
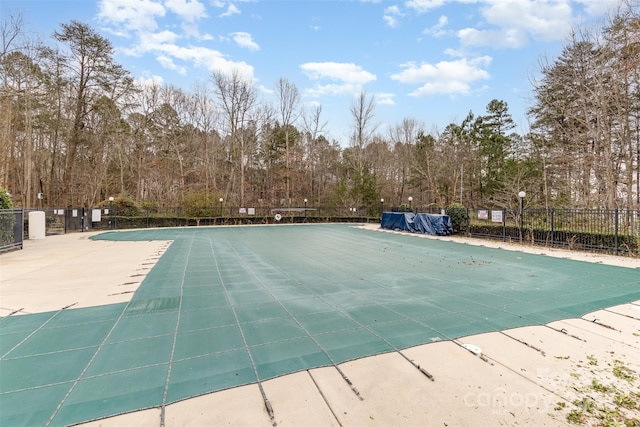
[11, 229]
[612, 231]
[59, 221]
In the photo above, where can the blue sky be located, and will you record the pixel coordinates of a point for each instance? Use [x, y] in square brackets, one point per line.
[428, 60]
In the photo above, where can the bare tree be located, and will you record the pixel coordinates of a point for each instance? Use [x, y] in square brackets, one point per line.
[403, 138]
[363, 189]
[313, 129]
[362, 113]
[237, 97]
[288, 107]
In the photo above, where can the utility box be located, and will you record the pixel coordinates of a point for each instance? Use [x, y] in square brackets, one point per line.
[37, 225]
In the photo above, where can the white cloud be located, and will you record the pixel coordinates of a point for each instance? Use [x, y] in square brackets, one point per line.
[346, 72]
[211, 59]
[423, 6]
[390, 16]
[598, 7]
[350, 78]
[438, 29]
[331, 89]
[136, 15]
[148, 81]
[245, 40]
[232, 9]
[149, 42]
[384, 98]
[539, 19]
[514, 23]
[168, 63]
[445, 77]
[502, 38]
[140, 19]
[188, 10]
[390, 21]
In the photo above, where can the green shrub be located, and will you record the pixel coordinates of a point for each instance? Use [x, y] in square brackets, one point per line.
[121, 205]
[459, 216]
[405, 208]
[5, 199]
[200, 204]
[7, 220]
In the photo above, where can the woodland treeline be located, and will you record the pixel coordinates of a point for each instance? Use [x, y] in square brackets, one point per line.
[76, 127]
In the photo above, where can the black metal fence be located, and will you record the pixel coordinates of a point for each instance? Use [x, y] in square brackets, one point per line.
[611, 231]
[11, 229]
[60, 221]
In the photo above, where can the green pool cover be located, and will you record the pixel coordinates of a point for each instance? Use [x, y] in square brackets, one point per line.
[230, 306]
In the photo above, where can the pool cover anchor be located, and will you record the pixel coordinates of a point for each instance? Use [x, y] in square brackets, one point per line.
[604, 325]
[269, 408]
[353, 388]
[417, 366]
[525, 343]
[424, 371]
[565, 332]
[120, 293]
[475, 350]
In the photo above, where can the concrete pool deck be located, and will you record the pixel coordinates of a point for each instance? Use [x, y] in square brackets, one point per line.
[526, 376]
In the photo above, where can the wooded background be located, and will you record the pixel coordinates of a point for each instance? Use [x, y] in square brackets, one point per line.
[76, 127]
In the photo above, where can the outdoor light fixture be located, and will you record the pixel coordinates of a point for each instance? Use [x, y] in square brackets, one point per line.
[522, 195]
[221, 200]
[381, 206]
[305, 208]
[410, 203]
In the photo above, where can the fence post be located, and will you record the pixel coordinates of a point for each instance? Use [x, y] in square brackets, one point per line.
[553, 226]
[468, 223]
[617, 222]
[504, 224]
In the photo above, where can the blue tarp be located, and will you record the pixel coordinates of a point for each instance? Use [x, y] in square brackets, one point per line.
[436, 225]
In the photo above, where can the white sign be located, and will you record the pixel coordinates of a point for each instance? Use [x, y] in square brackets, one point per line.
[252, 211]
[496, 216]
[483, 214]
[95, 215]
[74, 213]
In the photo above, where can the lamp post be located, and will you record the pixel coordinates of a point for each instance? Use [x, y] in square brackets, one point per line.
[110, 211]
[521, 195]
[221, 200]
[411, 203]
[305, 208]
[381, 206]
